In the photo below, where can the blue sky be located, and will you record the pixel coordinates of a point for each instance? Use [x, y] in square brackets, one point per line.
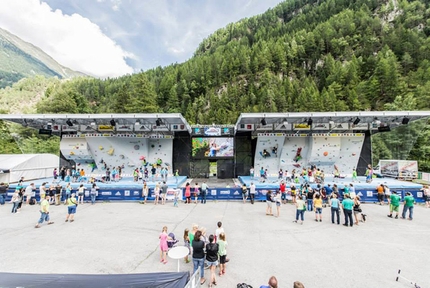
[106, 38]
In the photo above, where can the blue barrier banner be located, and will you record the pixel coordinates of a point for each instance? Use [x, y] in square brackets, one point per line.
[127, 194]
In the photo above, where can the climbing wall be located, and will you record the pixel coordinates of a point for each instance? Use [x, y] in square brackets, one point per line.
[75, 149]
[128, 152]
[350, 150]
[295, 152]
[267, 141]
[325, 150]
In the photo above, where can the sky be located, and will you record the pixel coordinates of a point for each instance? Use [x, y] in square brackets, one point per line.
[111, 38]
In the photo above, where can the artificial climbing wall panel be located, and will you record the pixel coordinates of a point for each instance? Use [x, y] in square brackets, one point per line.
[75, 149]
[271, 161]
[325, 150]
[295, 152]
[350, 152]
[161, 149]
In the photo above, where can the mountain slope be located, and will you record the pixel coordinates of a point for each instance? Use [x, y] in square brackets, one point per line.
[19, 59]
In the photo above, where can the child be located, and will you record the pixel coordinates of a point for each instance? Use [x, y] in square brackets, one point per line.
[163, 245]
[218, 230]
[187, 244]
[222, 252]
[175, 201]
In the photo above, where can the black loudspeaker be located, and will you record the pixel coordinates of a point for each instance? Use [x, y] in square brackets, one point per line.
[310, 122]
[263, 122]
[112, 122]
[68, 122]
[384, 128]
[405, 121]
[356, 121]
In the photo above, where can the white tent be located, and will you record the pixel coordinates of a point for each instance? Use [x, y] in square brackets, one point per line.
[29, 166]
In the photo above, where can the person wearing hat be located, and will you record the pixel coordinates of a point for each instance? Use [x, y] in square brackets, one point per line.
[71, 208]
[394, 205]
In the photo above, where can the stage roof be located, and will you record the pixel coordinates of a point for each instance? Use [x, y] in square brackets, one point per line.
[326, 122]
[139, 123]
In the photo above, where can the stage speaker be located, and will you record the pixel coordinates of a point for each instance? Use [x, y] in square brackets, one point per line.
[405, 121]
[384, 128]
[263, 122]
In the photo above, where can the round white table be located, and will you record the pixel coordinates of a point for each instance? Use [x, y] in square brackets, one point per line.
[178, 252]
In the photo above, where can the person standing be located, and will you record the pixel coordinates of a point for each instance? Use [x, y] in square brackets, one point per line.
[93, 193]
[310, 199]
[16, 199]
[196, 192]
[252, 192]
[357, 209]
[42, 191]
[153, 172]
[176, 175]
[68, 192]
[188, 193]
[354, 175]
[251, 173]
[278, 201]
[244, 193]
[163, 191]
[156, 193]
[29, 192]
[300, 209]
[408, 205]
[63, 173]
[187, 244]
[318, 204]
[395, 204]
[44, 212]
[222, 252]
[58, 190]
[81, 191]
[163, 245]
[347, 205]
[55, 175]
[269, 201]
[282, 188]
[426, 195]
[71, 208]
[199, 255]
[145, 191]
[204, 189]
[212, 259]
[380, 189]
[335, 206]
[3, 191]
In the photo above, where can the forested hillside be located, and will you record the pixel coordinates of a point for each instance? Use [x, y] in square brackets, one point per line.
[303, 55]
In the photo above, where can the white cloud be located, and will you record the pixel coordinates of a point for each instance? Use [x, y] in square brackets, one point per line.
[72, 40]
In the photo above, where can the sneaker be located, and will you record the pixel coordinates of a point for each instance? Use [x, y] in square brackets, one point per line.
[391, 216]
[320, 220]
[397, 217]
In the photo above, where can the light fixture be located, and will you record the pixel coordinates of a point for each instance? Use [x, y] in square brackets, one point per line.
[49, 126]
[330, 121]
[137, 123]
[112, 122]
[285, 122]
[310, 121]
[356, 121]
[405, 120]
[68, 122]
[158, 122]
[263, 122]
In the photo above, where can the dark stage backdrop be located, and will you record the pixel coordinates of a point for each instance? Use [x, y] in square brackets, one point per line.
[243, 152]
[182, 153]
[365, 155]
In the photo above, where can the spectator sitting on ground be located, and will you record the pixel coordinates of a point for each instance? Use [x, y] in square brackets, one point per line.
[273, 283]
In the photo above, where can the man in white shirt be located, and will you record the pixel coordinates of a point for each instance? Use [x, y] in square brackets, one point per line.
[204, 190]
[29, 192]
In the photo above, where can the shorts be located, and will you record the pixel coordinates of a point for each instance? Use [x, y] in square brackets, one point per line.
[278, 204]
[80, 194]
[212, 263]
[318, 210]
[222, 259]
[427, 198]
[269, 204]
[394, 208]
[71, 209]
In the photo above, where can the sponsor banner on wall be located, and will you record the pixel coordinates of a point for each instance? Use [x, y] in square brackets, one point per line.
[246, 127]
[340, 126]
[212, 131]
[320, 126]
[105, 128]
[124, 127]
[360, 126]
[301, 126]
[67, 128]
[264, 127]
[284, 127]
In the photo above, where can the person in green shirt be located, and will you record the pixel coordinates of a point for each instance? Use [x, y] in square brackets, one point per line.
[354, 175]
[347, 205]
[44, 212]
[394, 204]
[408, 205]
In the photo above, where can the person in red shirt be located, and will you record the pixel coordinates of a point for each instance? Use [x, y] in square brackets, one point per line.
[282, 188]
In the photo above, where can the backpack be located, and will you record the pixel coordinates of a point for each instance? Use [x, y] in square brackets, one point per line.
[32, 201]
